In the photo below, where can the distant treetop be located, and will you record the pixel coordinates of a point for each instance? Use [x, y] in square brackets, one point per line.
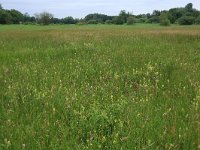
[186, 15]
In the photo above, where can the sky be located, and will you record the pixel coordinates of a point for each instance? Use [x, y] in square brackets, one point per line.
[80, 8]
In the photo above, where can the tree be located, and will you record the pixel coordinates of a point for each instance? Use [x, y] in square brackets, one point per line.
[118, 20]
[5, 17]
[44, 18]
[69, 20]
[131, 20]
[197, 21]
[186, 20]
[108, 21]
[189, 7]
[17, 16]
[142, 18]
[92, 22]
[57, 21]
[164, 21]
[176, 13]
[155, 17]
[29, 19]
[99, 18]
[156, 13]
[123, 16]
[1, 7]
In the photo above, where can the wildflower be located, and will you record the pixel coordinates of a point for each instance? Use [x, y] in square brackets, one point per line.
[7, 142]
[167, 112]
[103, 138]
[150, 67]
[116, 76]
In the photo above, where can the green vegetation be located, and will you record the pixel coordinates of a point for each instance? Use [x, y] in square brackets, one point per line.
[164, 21]
[131, 20]
[184, 16]
[44, 18]
[99, 87]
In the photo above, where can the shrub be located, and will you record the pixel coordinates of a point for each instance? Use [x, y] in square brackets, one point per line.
[165, 22]
[5, 17]
[118, 20]
[142, 20]
[131, 20]
[148, 21]
[186, 20]
[81, 23]
[197, 21]
[108, 22]
[29, 23]
[92, 22]
[44, 18]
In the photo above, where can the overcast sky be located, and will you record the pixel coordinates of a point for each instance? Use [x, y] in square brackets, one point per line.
[80, 8]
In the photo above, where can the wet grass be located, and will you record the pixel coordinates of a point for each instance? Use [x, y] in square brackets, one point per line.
[99, 87]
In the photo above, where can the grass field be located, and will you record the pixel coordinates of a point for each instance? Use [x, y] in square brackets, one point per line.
[99, 87]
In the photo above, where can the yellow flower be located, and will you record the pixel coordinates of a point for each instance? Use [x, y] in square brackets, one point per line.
[116, 76]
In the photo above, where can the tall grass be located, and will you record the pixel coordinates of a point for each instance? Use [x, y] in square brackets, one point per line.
[107, 87]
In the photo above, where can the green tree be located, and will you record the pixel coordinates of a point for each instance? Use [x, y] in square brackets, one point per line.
[186, 20]
[108, 21]
[17, 16]
[100, 18]
[142, 18]
[69, 20]
[5, 17]
[57, 21]
[176, 13]
[1, 7]
[44, 18]
[155, 17]
[197, 21]
[164, 21]
[118, 20]
[189, 7]
[28, 18]
[123, 16]
[92, 22]
[131, 20]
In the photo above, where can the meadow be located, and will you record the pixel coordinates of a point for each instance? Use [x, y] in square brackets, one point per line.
[99, 87]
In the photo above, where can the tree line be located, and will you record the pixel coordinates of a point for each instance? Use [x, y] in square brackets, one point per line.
[183, 15]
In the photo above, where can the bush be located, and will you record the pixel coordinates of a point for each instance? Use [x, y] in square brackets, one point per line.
[108, 22]
[81, 23]
[29, 23]
[197, 21]
[131, 20]
[44, 18]
[148, 21]
[154, 19]
[142, 20]
[164, 22]
[92, 22]
[69, 20]
[186, 20]
[5, 17]
[118, 20]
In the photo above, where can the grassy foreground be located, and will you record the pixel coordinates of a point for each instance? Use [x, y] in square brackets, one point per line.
[99, 87]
